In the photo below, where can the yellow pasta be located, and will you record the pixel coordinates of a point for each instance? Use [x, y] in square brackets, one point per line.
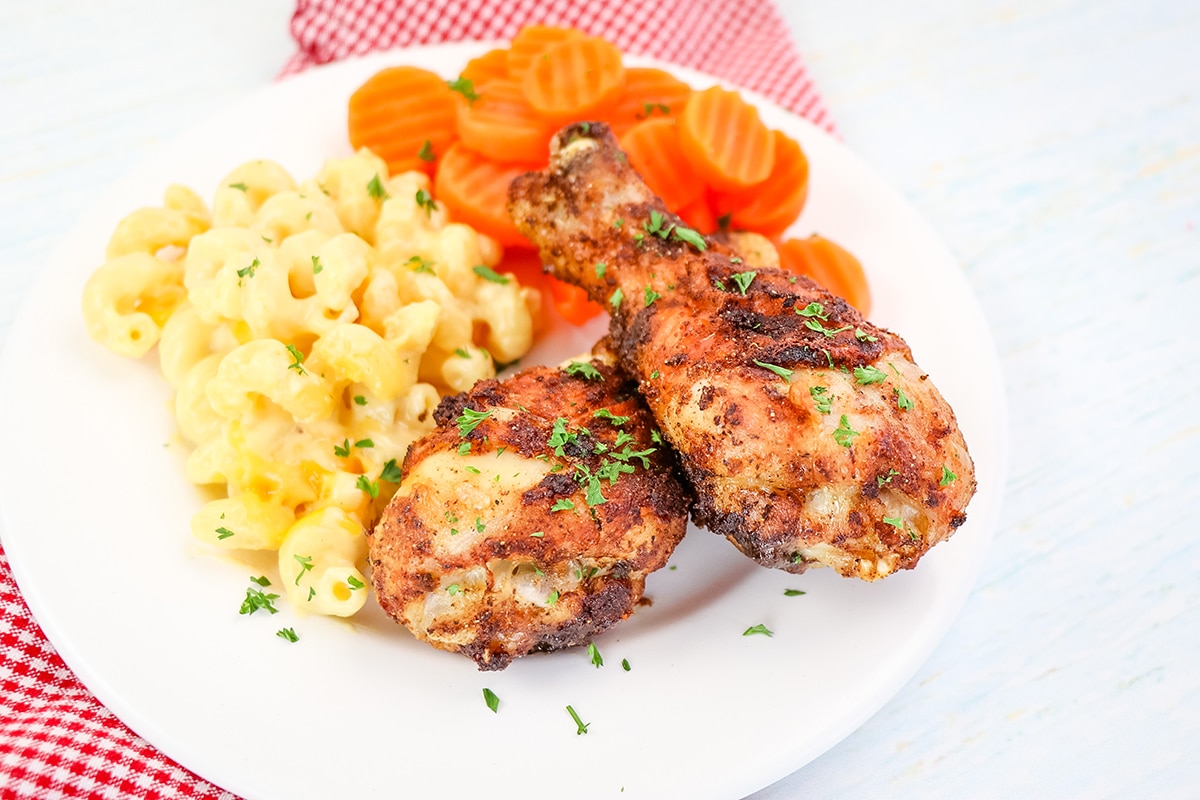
[309, 331]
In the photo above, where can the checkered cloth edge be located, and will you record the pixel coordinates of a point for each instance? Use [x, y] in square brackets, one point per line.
[745, 42]
[56, 739]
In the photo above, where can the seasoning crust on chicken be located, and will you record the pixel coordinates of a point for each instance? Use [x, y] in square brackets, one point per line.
[530, 517]
[809, 435]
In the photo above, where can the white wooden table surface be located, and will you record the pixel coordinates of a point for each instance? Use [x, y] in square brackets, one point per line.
[1056, 147]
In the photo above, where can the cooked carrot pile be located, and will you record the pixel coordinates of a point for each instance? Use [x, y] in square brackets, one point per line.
[707, 153]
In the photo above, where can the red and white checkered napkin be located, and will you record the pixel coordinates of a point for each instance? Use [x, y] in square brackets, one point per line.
[56, 740]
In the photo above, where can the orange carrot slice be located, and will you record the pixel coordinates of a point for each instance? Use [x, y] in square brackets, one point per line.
[771, 206]
[501, 125]
[724, 138]
[531, 41]
[653, 150]
[475, 191]
[405, 115]
[487, 67]
[575, 79]
[572, 303]
[699, 215]
[648, 93]
[830, 265]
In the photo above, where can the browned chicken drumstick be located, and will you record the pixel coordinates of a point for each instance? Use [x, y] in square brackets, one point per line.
[530, 517]
[808, 434]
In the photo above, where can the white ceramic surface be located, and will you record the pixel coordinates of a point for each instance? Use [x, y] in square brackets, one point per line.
[95, 525]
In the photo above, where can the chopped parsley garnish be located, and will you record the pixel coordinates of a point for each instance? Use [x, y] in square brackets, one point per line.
[617, 297]
[223, 532]
[490, 698]
[354, 583]
[473, 470]
[691, 237]
[453, 589]
[342, 450]
[479, 526]
[247, 272]
[306, 565]
[419, 264]
[625, 664]
[391, 472]
[864, 376]
[793, 592]
[902, 400]
[317, 265]
[583, 369]
[563, 504]
[261, 580]
[488, 274]
[552, 598]
[821, 398]
[594, 655]
[287, 634]
[883, 480]
[604, 413]
[465, 87]
[863, 336]
[580, 725]
[464, 448]
[538, 534]
[743, 280]
[469, 420]
[461, 352]
[813, 310]
[844, 433]
[813, 325]
[297, 359]
[255, 600]
[651, 296]
[367, 485]
[948, 477]
[895, 522]
[425, 200]
[426, 152]
[782, 372]
[359, 400]
[376, 190]
[758, 629]
[601, 268]
[241, 187]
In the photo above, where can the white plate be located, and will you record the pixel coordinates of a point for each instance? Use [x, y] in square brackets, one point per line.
[95, 523]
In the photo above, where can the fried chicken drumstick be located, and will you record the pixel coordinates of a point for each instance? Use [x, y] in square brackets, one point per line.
[531, 515]
[809, 435]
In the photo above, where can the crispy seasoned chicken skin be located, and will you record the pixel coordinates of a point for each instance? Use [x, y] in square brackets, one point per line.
[530, 517]
[808, 434]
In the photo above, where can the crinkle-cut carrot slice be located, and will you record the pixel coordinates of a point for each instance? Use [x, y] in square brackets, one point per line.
[572, 303]
[771, 206]
[724, 138]
[648, 93]
[830, 265]
[474, 190]
[653, 150]
[501, 125]
[533, 40]
[406, 115]
[487, 67]
[526, 265]
[575, 79]
[698, 215]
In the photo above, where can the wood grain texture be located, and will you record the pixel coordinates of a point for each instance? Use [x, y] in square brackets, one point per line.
[1056, 147]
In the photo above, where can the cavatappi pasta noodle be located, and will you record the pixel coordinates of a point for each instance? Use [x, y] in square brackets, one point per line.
[308, 332]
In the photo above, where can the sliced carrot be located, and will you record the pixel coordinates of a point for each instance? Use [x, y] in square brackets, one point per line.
[572, 303]
[724, 138]
[830, 265]
[405, 115]
[526, 265]
[531, 41]
[699, 215]
[771, 206]
[576, 79]
[487, 67]
[501, 125]
[475, 191]
[653, 150]
[648, 93]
